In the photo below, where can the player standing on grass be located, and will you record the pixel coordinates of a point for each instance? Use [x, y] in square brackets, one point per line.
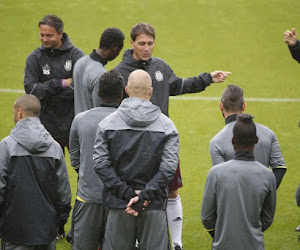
[239, 198]
[165, 84]
[267, 151]
[89, 213]
[136, 155]
[35, 192]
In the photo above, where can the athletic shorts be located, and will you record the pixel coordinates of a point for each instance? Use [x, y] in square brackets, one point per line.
[176, 182]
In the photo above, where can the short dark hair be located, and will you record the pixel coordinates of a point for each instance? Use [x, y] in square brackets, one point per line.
[233, 98]
[29, 104]
[53, 21]
[112, 37]
[244, 130]
[111, 86]
[142, 28]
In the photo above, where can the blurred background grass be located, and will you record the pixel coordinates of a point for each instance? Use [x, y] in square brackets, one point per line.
[193, 36]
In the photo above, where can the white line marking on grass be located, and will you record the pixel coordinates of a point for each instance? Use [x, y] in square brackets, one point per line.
[12, 91]
[249, 99]
[194, 98]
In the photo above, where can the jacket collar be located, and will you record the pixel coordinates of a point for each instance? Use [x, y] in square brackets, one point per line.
[109, 104]
[96, 57]
[128, 59]
[230, 119]
[244, 156]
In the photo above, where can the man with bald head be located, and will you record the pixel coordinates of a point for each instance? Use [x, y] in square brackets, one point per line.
[34, 186]
[135, 156]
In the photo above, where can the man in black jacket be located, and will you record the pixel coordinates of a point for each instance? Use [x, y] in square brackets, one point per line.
[165, 83]
[48, 76]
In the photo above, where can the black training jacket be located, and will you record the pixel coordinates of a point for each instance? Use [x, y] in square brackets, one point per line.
[44, 70]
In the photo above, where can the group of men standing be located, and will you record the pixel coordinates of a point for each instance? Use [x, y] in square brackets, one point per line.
[125, 150]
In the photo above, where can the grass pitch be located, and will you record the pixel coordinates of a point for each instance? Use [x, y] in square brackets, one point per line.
[245, 37]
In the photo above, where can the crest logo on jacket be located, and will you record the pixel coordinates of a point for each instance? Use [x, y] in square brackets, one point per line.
[46, 70]
[159, 76]
[68, 65]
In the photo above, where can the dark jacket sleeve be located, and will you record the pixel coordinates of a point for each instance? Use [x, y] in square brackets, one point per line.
[3, 173]
[33, 84]
[179, 86]
[298, 196]
[279, 173]
[295, 51]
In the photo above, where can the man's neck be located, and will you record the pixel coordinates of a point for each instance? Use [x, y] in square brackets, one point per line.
[226, 114]
[101, 53]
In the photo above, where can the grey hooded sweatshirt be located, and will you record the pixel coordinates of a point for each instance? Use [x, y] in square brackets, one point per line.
[34, 186]
[239, 203]
[136, 148]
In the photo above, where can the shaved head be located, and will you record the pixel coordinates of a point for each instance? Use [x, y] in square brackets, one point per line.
[139, 85]
[26, 106]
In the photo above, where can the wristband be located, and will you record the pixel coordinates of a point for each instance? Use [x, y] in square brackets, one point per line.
[63, 83]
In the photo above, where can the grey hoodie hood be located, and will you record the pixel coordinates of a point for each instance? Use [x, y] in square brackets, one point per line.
[32, 135]
[138, 113]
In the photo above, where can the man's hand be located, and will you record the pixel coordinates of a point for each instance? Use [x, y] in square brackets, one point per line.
[219, 76]
[290, 37]
[129, 209]
[68, 81]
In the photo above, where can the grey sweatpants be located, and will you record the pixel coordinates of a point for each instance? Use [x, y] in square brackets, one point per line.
[10, 246]
[150, 228]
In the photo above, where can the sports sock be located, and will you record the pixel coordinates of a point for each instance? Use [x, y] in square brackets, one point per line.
[174, 214]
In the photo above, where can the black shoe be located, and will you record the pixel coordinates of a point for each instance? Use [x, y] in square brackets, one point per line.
[69, 237]
[60, 236]
[177, 247]
[297, 229]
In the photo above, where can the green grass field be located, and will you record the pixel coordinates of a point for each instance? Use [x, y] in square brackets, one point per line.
[193, 36]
